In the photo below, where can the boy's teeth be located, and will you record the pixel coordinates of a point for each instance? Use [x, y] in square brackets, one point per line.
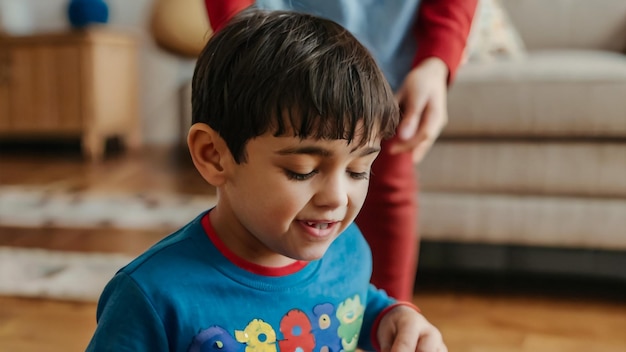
[320, 226]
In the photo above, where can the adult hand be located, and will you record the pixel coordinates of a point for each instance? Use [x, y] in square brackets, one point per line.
[423, 103]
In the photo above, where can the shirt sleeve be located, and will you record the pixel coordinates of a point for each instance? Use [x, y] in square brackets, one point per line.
[221, 11]
[377, 303]
[442, 29]
[127, 320]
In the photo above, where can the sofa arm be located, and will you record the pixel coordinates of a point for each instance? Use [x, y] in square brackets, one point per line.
[576, 24]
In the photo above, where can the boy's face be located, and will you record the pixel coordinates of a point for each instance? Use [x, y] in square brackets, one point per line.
[292, 197]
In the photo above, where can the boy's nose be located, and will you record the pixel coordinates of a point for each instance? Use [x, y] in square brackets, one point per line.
[332, 192]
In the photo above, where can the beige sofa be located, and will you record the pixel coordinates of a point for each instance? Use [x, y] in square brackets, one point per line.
[530, 173]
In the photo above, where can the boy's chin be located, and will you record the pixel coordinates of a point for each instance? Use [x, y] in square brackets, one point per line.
[312, 255]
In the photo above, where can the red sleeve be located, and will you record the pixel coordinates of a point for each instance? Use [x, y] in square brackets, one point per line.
[441, 31]
[220, 11]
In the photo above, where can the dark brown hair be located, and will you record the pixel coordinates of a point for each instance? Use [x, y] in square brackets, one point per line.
[288, 72]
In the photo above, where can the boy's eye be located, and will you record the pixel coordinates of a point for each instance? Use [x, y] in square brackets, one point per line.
[300, 177]
[303, 177]
[359, 175]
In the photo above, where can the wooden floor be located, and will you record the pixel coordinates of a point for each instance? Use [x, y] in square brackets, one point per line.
[481, 315]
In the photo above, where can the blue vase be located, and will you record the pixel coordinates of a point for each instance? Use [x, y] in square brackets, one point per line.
[82, 13]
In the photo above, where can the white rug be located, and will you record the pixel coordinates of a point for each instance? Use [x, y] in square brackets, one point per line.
[74, 275]
[57, 274]
[37, 207]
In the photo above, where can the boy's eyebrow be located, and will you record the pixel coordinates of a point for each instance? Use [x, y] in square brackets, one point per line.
[310, 150]
[314, 150]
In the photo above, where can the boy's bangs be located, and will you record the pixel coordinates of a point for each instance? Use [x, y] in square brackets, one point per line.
[346, 109]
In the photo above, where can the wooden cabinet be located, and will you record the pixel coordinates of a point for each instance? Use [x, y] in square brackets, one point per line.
[76, 84]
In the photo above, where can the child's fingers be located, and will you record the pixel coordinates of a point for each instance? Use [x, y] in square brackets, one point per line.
[431, 341]
[405, 330]
[404, 341]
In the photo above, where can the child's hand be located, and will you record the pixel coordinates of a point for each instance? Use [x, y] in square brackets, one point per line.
[403, 329]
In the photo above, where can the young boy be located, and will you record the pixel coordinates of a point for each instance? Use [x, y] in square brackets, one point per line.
[289, 111]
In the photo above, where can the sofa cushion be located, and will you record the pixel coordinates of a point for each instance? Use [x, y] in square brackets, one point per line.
[569, 168]
[581, 24]
[595, 223]
[493, 36]
[550, 93]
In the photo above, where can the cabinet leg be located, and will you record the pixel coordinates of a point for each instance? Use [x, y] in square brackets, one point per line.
[93, 147]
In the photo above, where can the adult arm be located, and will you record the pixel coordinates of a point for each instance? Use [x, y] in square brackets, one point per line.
[220, 11]
[441, 31]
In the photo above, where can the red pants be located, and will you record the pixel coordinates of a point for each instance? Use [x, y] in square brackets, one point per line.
[388, 221]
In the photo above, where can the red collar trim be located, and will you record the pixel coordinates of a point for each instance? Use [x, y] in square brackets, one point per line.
[244, 264]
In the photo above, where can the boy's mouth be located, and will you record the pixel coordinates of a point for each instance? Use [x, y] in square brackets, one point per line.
[318, 225]
[319, 229]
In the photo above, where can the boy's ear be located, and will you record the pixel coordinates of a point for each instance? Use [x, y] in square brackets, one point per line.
[209, 153]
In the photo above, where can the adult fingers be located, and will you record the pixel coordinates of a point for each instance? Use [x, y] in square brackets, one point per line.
[431, 125]
[434, 120]
[412, 109]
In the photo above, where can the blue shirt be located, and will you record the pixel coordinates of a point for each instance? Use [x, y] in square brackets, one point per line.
[186, 293]
[383, 26]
